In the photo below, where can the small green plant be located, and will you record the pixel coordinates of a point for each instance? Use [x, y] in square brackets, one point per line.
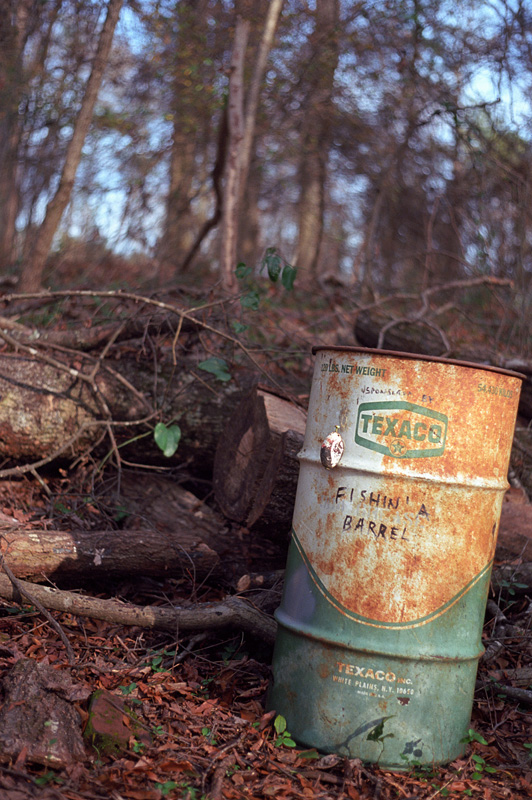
[217, 367]
[276, 267]
[156, 664]
[46, 778]
[480, 768]
[158, 730]
[377, 734]
[308, 755]
[238, 327]
[511, 586]
[250, 300]
[121, 513]
[528, 746]
[167, 438]
[190, 792]
[473, 736]
[166, 787]
[138, 747]
[128, 689]
[284, 738]
[208, 735]
[62, 508]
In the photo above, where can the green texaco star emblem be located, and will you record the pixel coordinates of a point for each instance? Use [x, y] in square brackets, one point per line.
[398, 448]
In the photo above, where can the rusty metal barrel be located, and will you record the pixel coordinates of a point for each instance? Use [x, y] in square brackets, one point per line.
[403, 471]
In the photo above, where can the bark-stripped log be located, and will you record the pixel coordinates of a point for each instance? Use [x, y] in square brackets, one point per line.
[169, 532]
[86, 556]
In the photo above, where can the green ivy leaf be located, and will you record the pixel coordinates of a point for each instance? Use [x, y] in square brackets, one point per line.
[272, 262]
[167, 438]
[217, 367]
[279, 724]
[288, 277]
[250, 300]
[242, 271]
[238, 327]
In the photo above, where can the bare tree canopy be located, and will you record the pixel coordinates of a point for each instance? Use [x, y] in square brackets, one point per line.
[382, 142]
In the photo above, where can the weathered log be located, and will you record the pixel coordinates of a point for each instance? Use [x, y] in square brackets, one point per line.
[255, 467]
[39, 555]
[273, 505]
[233, 612]
[50, 412]
[168, 532]
[406, 337]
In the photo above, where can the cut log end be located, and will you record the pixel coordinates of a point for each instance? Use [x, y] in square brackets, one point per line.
[250, 452]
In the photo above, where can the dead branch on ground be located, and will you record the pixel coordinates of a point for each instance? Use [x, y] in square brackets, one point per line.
[232, 612]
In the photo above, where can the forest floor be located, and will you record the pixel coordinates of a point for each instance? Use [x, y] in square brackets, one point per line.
[193, 718]
[195, 723]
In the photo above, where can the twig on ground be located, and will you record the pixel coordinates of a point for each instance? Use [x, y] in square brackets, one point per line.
[496, 645]
[22, 588]
[521, 695]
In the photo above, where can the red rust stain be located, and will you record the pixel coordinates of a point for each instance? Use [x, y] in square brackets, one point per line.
[324, 671]
[428, 538]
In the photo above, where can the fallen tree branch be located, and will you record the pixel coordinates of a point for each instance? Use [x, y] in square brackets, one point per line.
[182, 313]
[233, 612]
[521, 695]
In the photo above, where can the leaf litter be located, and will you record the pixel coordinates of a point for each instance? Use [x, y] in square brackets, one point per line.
[198, 726]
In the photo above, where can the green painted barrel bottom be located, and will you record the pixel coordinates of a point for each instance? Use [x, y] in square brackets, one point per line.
[382, 694]
[382, 709]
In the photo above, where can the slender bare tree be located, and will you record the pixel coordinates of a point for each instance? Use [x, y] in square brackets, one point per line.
[233, 170]
[31, 278]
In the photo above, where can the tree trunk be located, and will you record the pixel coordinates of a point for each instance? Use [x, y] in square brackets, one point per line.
[255, 467]
[270, 26]
[31, 278]
[14, 26]
[178, 230]
[317, 135]
[228, 260]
